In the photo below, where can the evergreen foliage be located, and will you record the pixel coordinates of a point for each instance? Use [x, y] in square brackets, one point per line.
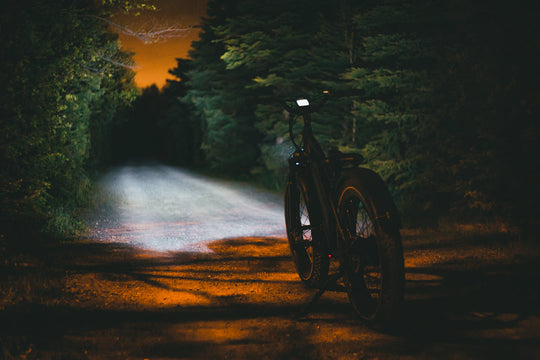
[446, 107]
[156, 127]
[59, 87]
[449, 109]
[221, 103]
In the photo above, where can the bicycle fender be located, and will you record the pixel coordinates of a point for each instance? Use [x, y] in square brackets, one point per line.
[376, 191]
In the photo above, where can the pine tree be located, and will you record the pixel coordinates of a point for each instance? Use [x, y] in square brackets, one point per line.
[221, 101]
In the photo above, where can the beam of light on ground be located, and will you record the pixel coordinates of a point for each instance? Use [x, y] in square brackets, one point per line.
[165, 208]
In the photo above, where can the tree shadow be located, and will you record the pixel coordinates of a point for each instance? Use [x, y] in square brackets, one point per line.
[485, 311]
[482, 310]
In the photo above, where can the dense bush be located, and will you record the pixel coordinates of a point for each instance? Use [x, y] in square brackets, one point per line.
[61, 86]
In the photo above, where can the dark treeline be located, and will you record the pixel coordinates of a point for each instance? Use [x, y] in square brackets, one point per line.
[63, 82]
[157, 127]
[449, 115]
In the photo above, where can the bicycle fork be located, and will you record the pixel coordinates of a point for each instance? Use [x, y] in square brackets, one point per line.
[332, 229]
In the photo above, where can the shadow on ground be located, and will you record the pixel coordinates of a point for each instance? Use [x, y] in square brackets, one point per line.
[243, 301]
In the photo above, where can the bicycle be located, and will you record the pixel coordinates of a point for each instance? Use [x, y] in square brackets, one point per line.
[337, 210]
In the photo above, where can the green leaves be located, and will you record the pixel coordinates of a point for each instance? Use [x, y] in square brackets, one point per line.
[448, 105]
[247, 49]
[53, 87]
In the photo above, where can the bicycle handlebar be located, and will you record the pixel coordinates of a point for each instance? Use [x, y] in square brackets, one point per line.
[323, 97]
[305, 109]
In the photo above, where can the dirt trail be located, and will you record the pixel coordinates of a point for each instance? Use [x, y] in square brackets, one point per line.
[130, 292]
[243, 300]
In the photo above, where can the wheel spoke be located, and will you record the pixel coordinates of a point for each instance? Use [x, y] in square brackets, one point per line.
[361, 270]
[304, 241]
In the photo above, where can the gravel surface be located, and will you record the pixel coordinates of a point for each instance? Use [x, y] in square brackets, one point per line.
[180, 266]
[163, 208]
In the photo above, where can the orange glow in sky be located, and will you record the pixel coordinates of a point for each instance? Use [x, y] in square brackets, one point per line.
[154, 60]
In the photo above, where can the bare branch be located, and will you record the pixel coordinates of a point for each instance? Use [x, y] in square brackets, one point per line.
[150, 32]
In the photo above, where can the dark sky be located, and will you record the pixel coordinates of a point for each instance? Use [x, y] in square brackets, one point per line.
[154, 60]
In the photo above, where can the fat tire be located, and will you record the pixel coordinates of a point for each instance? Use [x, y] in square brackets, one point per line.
[364, 189]
[310, 257]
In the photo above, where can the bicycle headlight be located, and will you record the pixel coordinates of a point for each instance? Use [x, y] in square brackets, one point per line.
[302, 102]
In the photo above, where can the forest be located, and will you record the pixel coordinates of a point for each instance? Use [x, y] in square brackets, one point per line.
[64, 83]
[448, 113]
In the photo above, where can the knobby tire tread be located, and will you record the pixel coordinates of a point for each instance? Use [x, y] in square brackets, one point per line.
[383, 213]
[318, 273]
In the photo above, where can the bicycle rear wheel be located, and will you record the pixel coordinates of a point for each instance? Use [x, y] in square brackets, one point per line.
[305, 235]
[372, 260]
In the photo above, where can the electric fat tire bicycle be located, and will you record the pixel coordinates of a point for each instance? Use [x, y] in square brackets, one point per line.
[338, 211]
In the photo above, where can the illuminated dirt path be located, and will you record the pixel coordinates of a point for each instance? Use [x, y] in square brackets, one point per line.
[465, 300]
[164, 208]
[184, 267]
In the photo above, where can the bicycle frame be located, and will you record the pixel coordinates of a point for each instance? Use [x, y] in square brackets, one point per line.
[364, 236]
[312, 158]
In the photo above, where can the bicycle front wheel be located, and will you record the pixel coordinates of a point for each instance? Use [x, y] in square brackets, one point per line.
[372, 254]
[305, 235]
